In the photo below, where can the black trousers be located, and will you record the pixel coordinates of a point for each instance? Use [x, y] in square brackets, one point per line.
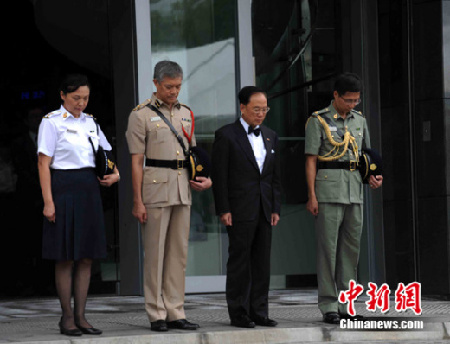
[248, 267]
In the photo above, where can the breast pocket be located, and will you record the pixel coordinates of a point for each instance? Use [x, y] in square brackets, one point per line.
[158, 131]
[155, 188]
[156, 139]
[186, 127]
[71, 136]
[359, 136]
[334, 136]
[94, 138]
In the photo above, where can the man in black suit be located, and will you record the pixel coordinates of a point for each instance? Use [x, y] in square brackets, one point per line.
[246, 185]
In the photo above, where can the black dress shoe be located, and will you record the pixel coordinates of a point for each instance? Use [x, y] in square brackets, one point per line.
[264, 321]
[68, 332]
[331, 318]
[242, 321]
[159, 325]
[89, 330]
[182, 324]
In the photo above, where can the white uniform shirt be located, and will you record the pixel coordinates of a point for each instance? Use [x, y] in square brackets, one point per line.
[65, 138]
[257, 144]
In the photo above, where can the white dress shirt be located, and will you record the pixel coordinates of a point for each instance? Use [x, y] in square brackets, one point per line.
[66, 139]
[257, 143]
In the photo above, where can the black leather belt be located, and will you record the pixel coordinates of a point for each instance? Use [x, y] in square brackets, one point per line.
[345, 165]
[173, 164]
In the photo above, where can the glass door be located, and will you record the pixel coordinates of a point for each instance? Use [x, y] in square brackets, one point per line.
[200, 37]
[297, 54]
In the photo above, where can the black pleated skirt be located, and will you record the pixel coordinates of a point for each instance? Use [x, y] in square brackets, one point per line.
[79, 228]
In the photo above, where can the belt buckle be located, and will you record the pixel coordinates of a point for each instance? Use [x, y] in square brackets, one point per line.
[353, 165]
[180, 164]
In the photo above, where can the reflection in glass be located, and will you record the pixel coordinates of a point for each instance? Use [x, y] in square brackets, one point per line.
[295, 58]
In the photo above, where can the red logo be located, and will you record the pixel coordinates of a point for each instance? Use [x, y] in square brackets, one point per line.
[378, 297]
[406, 297]
[350, 296]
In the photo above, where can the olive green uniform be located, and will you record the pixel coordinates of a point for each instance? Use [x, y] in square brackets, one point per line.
[166, 195]
[340, 196]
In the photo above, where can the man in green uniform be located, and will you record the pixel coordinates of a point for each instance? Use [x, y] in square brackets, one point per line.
[334, 138]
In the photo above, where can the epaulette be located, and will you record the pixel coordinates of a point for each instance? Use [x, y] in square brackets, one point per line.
[52, 114]
[140, 106]
[91, 116]
[358, 113]
[320, 112]
[315, 114]
[187, 107]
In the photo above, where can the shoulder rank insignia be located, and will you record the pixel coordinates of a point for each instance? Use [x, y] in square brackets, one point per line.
[53, 113]
[321, 111]
[140, 106]
[358, 113]
[187, 107]
[316, 113]
[91, 116]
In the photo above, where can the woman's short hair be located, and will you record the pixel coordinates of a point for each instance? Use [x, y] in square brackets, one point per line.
[247, 91]
[73, 82]
[348, 82]
[168, 69]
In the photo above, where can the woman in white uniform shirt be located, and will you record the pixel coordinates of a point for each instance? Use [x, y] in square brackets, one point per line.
[74, 231]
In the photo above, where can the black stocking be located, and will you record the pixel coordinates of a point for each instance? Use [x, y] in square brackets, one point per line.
[82, 279]
[63, 281]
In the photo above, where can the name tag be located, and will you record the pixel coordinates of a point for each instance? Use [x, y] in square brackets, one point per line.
[72, 131]
[154, 119]
[333, 128]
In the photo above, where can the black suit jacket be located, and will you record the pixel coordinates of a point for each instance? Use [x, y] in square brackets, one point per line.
[238, 185]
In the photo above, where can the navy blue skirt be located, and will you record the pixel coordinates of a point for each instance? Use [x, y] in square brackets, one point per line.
[79, 229]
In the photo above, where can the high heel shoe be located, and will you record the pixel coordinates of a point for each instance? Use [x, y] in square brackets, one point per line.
[89, 330]
[69, 332]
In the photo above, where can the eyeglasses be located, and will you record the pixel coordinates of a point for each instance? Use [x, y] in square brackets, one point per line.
[351, 101]
[263, 110]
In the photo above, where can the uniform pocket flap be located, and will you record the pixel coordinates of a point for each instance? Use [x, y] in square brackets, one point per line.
[156, 176]
[328, 175]
[357, 133]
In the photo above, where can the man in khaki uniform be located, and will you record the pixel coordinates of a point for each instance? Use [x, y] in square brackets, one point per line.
[162, 196]
[334, 138]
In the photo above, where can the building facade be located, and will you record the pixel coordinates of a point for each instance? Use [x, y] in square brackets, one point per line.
[293, 49]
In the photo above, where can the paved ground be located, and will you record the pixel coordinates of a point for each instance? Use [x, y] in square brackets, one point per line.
[123, 320]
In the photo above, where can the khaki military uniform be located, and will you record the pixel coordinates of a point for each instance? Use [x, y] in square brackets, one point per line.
[167, 196]
[340, 195]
